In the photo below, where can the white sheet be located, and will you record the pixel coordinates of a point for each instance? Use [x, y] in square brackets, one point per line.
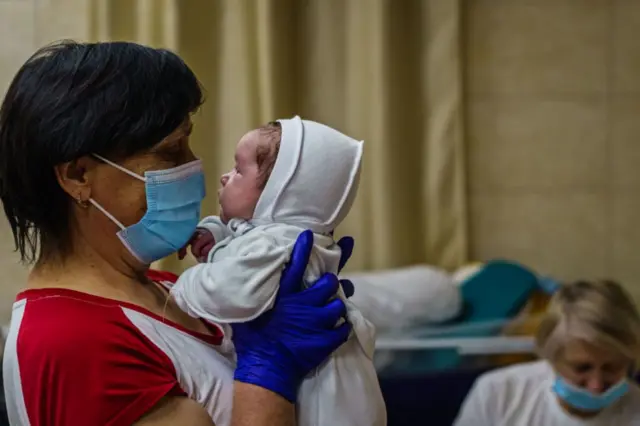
[402, 298]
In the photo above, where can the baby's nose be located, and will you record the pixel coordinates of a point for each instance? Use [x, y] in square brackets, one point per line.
[224, 179]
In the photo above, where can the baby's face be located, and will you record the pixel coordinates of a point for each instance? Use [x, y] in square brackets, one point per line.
[240, 187]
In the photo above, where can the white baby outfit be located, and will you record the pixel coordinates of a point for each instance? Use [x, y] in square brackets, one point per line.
[312, 186]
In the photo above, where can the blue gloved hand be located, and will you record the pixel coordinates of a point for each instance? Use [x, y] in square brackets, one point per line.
[278, 349]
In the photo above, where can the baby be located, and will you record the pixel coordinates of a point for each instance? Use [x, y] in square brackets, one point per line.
[289, 176]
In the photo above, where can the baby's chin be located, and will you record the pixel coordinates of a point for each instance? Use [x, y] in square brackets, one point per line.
[223, 217]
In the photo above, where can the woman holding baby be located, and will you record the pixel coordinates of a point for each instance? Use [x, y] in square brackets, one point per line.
[98, 181]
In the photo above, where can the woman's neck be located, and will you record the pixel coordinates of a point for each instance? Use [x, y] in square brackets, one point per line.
[87, 272]
[84, 269]
[576, 412]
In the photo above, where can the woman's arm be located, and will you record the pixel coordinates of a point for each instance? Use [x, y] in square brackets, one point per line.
[252, 406]
[256, 406]
[171, 411]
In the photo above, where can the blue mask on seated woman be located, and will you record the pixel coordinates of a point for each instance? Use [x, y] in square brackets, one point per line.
[582, 399]
[173, 211]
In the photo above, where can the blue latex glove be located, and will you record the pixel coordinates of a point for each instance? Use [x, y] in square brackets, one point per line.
[278, 349]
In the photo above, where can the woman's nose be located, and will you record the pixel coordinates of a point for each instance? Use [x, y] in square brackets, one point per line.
[595, 384]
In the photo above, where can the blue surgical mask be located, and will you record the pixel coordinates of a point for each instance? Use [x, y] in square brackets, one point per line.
[173, 211]
[584, 400]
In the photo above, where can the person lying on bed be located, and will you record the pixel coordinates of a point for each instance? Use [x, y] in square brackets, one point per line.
[590, 342]
[289, 176]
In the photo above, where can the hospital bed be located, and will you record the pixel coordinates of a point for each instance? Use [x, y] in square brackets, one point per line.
[426, 371]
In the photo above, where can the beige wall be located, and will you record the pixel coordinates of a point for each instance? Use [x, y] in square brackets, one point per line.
[24, 26]
[16, 43]
[553, 122]
[553, 92]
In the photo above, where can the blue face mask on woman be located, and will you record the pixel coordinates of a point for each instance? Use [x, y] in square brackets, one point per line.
[582, 399]
[173, 211]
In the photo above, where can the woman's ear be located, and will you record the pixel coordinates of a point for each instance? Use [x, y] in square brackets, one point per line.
[74, 178]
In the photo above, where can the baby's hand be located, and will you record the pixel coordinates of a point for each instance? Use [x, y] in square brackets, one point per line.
[201, 244]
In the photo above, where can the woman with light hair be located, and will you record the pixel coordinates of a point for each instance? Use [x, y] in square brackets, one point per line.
[590, 343]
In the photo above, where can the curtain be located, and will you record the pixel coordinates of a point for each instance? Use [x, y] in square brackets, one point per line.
[387, 72]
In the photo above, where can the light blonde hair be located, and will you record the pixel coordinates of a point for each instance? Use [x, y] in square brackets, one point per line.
[601, 313]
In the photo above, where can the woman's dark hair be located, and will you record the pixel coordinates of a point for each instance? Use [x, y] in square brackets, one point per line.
[74, 99]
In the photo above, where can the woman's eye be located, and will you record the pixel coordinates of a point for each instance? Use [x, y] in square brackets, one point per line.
[176, 153]
[613, 368]
[582, 368]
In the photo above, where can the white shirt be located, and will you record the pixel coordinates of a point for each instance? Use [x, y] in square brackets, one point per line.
[522, 395]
